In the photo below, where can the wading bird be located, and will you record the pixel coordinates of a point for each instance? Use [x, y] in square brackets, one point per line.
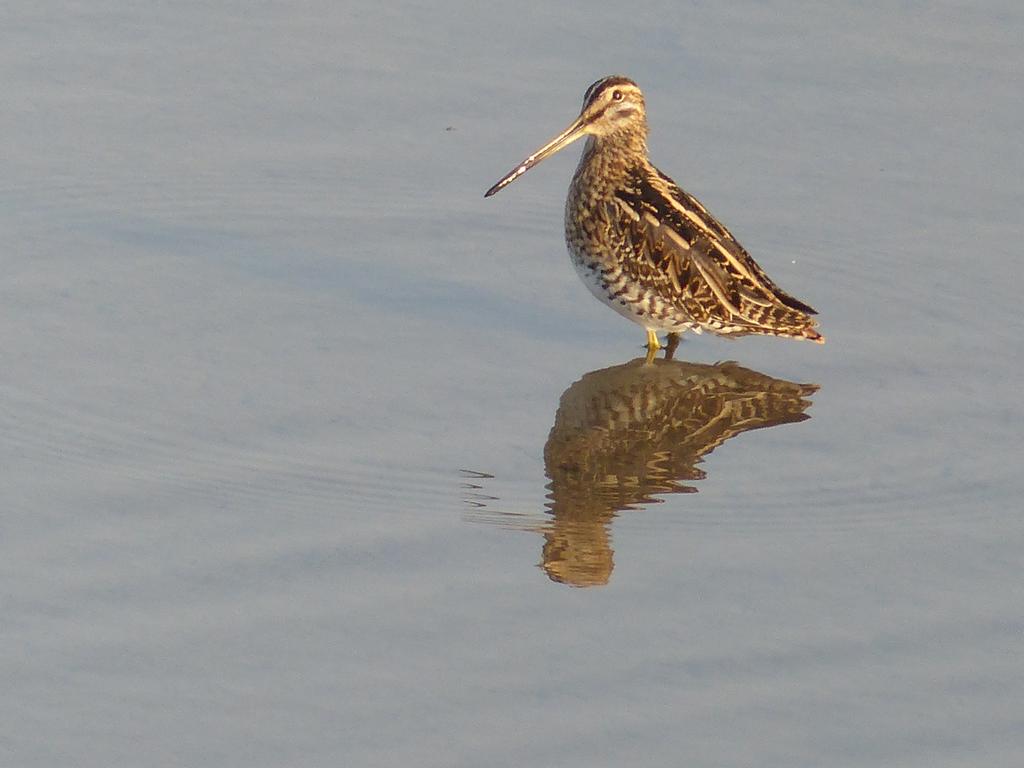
[650, 250]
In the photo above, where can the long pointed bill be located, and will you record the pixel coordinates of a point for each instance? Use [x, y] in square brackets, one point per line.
[562, 140]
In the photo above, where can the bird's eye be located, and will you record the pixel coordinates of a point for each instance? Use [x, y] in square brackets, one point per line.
[617, 95]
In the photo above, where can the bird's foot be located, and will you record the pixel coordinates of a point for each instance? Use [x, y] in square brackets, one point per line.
[671, 343]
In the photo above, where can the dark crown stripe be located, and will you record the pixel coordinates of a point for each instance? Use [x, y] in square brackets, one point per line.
[603, 84]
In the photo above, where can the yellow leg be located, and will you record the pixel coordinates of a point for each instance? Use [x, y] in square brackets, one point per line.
[652, 346]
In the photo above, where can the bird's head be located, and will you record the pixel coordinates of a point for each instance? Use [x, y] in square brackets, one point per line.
[613, 108]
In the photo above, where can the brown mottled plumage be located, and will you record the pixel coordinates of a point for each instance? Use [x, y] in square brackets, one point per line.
[647, 248]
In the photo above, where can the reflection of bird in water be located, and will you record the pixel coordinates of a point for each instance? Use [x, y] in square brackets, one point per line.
[629, 432]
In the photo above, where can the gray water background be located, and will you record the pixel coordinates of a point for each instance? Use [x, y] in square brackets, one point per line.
[255, 317]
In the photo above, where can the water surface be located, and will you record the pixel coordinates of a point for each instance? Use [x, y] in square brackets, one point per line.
[306, 444]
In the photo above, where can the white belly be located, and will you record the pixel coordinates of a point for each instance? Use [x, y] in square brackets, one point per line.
[631, 300]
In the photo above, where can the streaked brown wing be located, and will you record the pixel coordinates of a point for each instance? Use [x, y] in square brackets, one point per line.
[710, 274]
[714, 226]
